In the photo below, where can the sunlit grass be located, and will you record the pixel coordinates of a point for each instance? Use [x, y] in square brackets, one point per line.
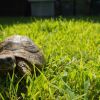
[72, 51]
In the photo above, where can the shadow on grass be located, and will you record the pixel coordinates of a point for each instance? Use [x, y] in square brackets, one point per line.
[6, 21]
[15, 20]
[11, 88]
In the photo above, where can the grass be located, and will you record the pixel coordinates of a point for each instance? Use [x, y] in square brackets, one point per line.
[72, 52]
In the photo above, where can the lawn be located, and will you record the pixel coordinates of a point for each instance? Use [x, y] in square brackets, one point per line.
[71, 47]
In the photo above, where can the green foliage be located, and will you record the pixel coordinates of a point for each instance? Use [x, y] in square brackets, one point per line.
[72, 51]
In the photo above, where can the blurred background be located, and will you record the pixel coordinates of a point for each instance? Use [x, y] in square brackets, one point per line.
[49, 8]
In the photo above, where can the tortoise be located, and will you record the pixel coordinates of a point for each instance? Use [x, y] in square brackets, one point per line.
[21, 53]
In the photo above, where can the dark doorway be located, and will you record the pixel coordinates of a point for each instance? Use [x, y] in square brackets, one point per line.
[14, 8]
[63, 7]
[95, 7]
[58, 8]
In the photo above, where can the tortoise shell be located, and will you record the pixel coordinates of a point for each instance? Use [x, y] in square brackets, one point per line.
[25, 52]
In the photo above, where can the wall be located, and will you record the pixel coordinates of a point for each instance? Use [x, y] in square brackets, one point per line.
[14, 8]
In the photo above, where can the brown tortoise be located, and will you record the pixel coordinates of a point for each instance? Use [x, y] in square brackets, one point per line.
[20, 52]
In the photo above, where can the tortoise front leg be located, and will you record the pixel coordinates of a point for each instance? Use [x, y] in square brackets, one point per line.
[23, 68]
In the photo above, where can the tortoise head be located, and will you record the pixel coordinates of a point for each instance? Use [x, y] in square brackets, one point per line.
[7, 62]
